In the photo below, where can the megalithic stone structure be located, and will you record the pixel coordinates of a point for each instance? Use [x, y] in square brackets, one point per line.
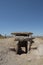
[23, 38]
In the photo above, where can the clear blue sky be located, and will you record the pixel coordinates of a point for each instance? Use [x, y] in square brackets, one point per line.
[21, 16]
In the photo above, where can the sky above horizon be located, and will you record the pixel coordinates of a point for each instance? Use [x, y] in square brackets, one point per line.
[21, 16]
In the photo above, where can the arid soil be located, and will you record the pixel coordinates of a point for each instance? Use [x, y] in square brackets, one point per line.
[8, 54]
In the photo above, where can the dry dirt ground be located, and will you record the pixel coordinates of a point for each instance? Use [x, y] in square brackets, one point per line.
[8, 55]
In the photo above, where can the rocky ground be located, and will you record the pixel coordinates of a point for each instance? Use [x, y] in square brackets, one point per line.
[8, 54]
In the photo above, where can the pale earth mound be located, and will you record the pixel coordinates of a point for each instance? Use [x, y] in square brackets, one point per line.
[9, 57]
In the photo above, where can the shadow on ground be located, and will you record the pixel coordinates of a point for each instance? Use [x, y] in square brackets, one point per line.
[19, 52]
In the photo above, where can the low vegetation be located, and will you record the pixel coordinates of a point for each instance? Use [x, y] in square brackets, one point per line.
[2, 37]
